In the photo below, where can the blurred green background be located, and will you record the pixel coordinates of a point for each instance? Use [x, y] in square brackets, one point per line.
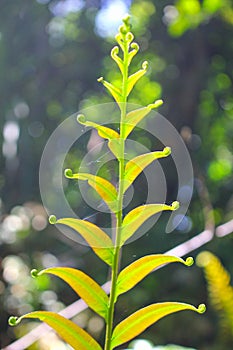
[51, 54]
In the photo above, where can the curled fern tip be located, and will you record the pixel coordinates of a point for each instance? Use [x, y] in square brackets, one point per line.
[145, 65]
[68, 173]
[134, 46]
[189, 261]
[201, 308]
[52, 219]
[167, 151]
[34, 273]
[81, 118]
[13, 320]
[175, 205]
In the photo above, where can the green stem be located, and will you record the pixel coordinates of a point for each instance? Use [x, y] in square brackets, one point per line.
[119, 215]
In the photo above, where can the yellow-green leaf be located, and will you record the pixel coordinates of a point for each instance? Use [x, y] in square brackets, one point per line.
[106, 133]
[136, 217]
[136, 165]
[140, 268]
[134, 117]
[93, 295]
[114, 91]
[103, 187]
[115, 145]
[132, 80]
[133, 52]
[71, 333]
[103, 131]
[143, 318]
[98, 240]
[117, 59]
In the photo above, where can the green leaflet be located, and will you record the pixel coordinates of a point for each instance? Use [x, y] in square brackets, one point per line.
[133, 52]
[98, 240]
[67, 330]
[93, 295]
[115, 146]
[140, 268]
[136, 165]
[134, 117]
[117, 59]
[143, 318]
[136, 217]
[103, 131]
[103, 187]
[114, 91]
[124, 37]
[132, 80]
[119, 40]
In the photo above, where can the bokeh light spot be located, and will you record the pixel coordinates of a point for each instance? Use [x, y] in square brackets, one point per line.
[110, 17]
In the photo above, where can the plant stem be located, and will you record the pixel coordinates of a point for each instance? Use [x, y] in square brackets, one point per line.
[119, 215]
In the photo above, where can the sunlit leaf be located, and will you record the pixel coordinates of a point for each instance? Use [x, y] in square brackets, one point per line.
[133, 52]
[115, 146]
[139, 269]
[103, 131]
[103, 187]
[117, 59]
[136, 165]
[136, 217]
[134, 117]
[93, 295]
[132, 80]
[114, 91]
[119, 40]
[143, 318]
[98, 240]
[67, 330]
[106, 133]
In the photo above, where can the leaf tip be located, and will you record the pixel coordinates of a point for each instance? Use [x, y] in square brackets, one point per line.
[134, 46]
[159, 102]
[167, 151]
[34, 273]
[13, 320]
[156, 104]
[52, 219]
[201, 308]
[68, 173]
[100, 80]
[124, 29]
[126, 19]
[175, 205]
[80, 118]
[145, 65]
[114, 51]
[189, 261]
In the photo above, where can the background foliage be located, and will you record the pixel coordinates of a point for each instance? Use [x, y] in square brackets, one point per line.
[51, 53]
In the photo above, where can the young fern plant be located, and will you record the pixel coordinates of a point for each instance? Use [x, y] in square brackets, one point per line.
[103, 246]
